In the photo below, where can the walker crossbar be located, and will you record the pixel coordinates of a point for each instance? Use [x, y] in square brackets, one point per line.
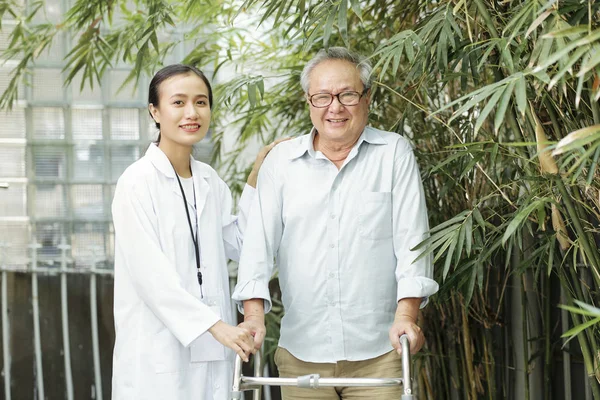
[314, 381]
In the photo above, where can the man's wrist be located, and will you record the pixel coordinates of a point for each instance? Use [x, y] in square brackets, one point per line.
[254, 317]
[412, 318]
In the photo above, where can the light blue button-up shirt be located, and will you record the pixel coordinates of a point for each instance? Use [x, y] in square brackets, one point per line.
[342, 242]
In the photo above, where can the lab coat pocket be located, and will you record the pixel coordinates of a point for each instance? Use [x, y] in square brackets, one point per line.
[166, 352]
[375, 215]
[206, 347]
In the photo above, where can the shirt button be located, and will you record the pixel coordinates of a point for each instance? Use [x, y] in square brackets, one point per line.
[332, 216]
[332, 245]
[332, 274]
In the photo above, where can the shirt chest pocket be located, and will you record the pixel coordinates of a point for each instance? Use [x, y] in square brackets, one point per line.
[375, 215]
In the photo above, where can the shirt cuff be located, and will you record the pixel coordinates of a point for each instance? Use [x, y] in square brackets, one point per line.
[251, 290]
[419, 287]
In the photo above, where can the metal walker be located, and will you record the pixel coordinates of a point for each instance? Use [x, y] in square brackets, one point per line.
[314, 381]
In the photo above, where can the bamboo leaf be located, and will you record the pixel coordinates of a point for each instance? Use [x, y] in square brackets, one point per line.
[461, 241]
[479, 94]
[487, 109]
[356, 7]
[457, 219]
[547, 163]
[595, 35]
[449, 255]
[551, 250]
[435, 239]
[503, 105]
[261, 87]
[343, 21]
[591, 62]
[568, 66]
[252, 94]
[469, 233]
[471, 285]
[589, 308]
[580, 328]
[577, 139]
[479, 218]
[579, 90]
[521, 95]
[328, 28]
[521, 216]
[574, 30]
[443, 249]
[538, 21]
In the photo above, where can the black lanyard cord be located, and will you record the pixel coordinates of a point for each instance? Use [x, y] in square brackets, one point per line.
[194, 237]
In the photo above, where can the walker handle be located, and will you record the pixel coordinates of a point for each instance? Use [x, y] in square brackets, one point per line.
[314, 381]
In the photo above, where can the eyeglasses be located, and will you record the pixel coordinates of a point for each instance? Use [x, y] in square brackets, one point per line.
[349, 98]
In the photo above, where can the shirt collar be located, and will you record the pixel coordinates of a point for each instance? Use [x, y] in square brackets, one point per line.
[306, 144]
[162, 163]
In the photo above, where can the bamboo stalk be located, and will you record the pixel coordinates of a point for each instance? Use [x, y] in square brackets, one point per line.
[440, 359]
[468, 355]
[585, 349]
[591, 254]
[589, 235]
[487, 362]
[525, 337]
[547, 337]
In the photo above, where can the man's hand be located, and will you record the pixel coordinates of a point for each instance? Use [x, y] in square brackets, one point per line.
[256, 326]
[406, 325]
[260, 157]
[405, 322]
[254, 320]
[234, 337]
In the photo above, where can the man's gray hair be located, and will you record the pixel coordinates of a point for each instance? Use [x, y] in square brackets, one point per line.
[338, 53]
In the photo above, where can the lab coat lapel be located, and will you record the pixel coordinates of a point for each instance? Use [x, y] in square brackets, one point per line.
[201, 187]
[162, 163]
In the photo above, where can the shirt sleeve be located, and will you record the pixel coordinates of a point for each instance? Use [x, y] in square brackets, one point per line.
[234, 226]
[415, 279]
[263, 235]
[153, 276]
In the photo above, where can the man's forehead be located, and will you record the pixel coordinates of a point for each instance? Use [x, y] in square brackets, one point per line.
[335, 73]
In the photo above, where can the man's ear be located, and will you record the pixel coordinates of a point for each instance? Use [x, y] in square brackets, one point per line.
[154, 112]
[368, 96]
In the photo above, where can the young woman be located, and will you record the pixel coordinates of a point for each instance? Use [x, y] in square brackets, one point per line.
[174, 233]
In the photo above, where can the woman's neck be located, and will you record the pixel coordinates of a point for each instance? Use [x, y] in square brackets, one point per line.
[178, 155]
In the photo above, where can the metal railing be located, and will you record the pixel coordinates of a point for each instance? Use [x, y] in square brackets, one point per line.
[314, 381]
[34, 269]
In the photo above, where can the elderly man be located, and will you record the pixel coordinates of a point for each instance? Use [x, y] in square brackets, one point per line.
[339, 209]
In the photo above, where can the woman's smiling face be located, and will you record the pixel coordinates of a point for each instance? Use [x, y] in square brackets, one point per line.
[183, 110]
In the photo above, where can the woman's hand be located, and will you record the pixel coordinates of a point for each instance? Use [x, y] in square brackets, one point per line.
[236, 338]
[260, 157]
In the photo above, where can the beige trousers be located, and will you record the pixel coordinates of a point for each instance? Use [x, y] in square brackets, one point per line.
[388, 365]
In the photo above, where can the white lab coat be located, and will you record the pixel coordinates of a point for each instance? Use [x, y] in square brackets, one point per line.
[163, 350]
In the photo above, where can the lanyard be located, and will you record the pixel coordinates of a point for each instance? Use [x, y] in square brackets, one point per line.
[194, 238]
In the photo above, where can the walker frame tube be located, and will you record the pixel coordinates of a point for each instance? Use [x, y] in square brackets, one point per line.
[243, 383]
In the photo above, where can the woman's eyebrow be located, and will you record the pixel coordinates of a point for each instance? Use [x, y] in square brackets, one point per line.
[185, 95]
